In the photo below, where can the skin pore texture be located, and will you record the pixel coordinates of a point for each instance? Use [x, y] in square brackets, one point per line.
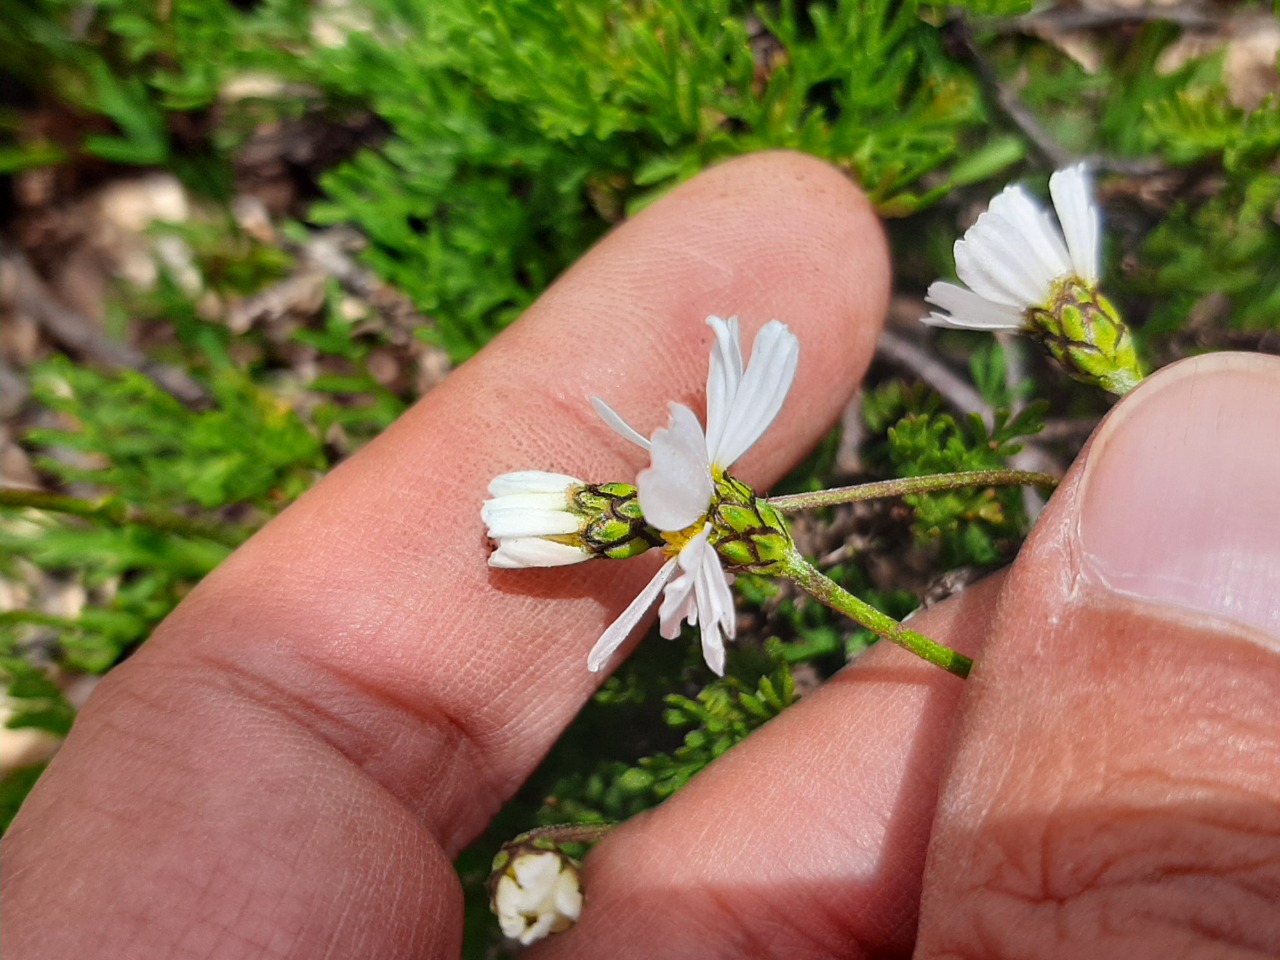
[286, 768]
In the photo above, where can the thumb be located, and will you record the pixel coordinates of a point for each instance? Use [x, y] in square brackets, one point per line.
[1115, 788]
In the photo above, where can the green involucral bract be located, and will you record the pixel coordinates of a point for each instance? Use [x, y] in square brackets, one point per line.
[1082, 330]
[747, 533]
[615, 528]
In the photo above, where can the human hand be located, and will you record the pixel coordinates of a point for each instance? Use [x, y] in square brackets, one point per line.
[287, 767]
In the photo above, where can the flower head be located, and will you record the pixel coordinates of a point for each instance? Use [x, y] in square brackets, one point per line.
[543, 519]
[1015, 255]
[681, 487]
[1025, 271]
[538, 893]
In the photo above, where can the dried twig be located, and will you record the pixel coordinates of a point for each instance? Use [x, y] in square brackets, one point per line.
[1020, 115]
[1029, 457]
[79, 335]
[13, 391]
[960, 37]
[955, 390]
[332, 251]
[1189, 16]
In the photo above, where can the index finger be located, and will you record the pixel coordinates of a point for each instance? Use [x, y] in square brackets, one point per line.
[355, 683]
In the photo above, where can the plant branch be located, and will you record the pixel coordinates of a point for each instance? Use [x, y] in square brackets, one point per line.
[81, 336]
[952, 387]
[908, 485]
[1188, 16]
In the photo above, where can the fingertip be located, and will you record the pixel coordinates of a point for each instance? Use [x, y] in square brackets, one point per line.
[776, 235]
[806, 839]
[1121, 723]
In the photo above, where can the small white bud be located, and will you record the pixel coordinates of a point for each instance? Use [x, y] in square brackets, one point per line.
[539, 893]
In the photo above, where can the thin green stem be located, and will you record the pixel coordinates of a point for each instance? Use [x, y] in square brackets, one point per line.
[842, 601]
[561, 833]
[117, 512]
[905, 485]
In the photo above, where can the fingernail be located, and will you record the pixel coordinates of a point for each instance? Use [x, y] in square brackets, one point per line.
[1180, 496]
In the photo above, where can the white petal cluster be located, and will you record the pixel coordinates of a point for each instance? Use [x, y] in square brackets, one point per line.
[527, 507]
[677, 488]
[1014, 256]
[538, 894]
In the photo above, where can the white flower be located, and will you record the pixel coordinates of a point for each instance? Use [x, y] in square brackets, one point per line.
[538, 894]
[677, 490]
[528, 507]
[1015, 258]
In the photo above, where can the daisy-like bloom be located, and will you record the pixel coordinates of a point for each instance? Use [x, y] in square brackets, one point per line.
[539, 893]
[699, 511]
[1024, 271]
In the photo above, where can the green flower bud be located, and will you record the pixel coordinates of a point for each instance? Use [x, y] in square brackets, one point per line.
[1082, 330]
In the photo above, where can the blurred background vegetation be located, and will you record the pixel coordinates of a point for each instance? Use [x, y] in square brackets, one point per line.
[240, 236]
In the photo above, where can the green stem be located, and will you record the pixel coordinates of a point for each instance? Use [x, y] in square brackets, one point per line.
[117, 512]
[842, 601]
[905, 485]
[560, 833]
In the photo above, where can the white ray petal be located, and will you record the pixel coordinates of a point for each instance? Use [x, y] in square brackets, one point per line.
[521, 552]
[676, 488]
[715, 610]
[536, 874]
[528, 522]
[680, 599]
[724, 374]
[679, 603]
[999, 257]
[775, 355]
[701, 596]
[538, 929]
[620, 426]
[547, 502]
[991, 275]
[505, 895]
[969, 311]
[1073, 200]
[620, 629]
[531, 481]
[569, 895]
[1041, 248]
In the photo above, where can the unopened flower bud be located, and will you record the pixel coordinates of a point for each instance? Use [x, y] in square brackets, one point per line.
[535, 893]
[535, 888]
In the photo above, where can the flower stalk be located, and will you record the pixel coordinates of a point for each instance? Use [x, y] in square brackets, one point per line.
[905, 486]
[841, 600]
